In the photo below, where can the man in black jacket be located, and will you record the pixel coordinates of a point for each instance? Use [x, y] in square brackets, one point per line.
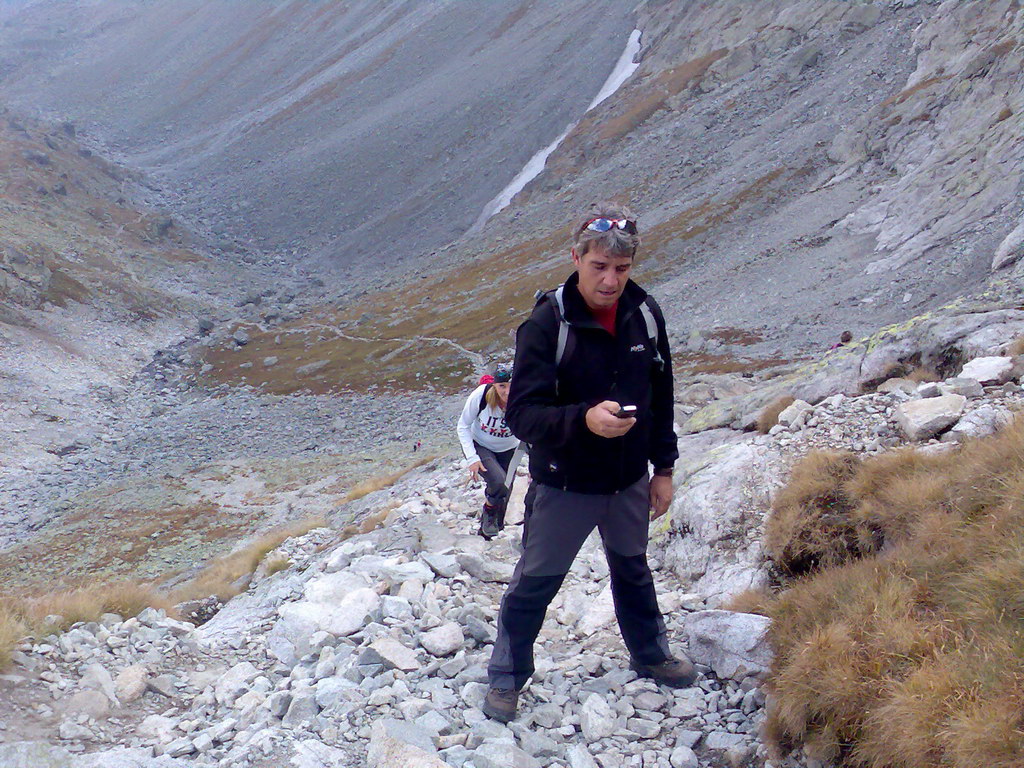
[589, 349]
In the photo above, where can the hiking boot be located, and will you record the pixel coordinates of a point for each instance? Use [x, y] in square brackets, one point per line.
[501, 704]
[675, 673]
[489, 523]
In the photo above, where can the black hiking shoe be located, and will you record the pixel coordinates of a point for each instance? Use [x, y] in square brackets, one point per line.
[675, 673]
[501, 704]
[489, 523]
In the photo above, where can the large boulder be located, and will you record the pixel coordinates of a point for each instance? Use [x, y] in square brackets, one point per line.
[1011, 249]
[734, 645]
[712, 535]
[926, 418]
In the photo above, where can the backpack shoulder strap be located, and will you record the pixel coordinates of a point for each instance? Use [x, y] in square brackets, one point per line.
[652, 329]
[556, 298]
[483, 399]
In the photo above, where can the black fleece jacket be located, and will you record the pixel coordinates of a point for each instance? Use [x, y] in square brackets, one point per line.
[596, 366]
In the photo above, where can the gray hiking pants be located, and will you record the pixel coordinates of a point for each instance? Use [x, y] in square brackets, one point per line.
[552, 537]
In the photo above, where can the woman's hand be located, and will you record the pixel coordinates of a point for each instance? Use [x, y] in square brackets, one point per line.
[475, 469]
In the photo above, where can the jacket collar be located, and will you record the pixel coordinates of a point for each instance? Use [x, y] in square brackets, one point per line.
[577, 312]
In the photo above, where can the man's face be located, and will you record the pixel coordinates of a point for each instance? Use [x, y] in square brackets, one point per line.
[602, 277]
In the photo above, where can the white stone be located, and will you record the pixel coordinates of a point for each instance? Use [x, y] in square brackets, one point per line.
[333, 587]
[579, 757]
[683, 757]
[724, 482]
[443, 640]
[969, 388]
[734, 645]
[395, 655]
[89, 702]
[341, 619]
[498, 754]
[794, 411]
[489, 570]
[597, 720]
[984, 421]
[599, 613]
[395, 744]
[235, 682]
[130, 684]
[923, 419]
[156, 728]
[313, 753]
[989, 370]
[904, 386]
[97, 678]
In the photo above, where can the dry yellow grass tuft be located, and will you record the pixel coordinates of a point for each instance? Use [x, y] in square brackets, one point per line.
[227, 576]
[38, 615]
[769, 415]
[910, 653]
[1016, 347]
[811, 524]
[750, 601]
[276, 564]
[922, 374]
[384, 481]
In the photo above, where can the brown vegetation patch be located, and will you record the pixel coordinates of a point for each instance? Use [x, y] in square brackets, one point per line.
[769, 415]
[908, 653]
[655, 92]
[132, 543]
[229, 575]
[736, 336]
[810, 525]
[905, 94]
[698, 219]
[922, 374]
[384, 481]
[396, 334]
[705, 362]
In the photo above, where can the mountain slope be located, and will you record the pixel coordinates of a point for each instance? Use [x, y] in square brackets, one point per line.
[359, 131]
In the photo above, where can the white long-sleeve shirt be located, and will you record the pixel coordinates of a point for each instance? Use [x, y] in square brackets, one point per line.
[487, 427]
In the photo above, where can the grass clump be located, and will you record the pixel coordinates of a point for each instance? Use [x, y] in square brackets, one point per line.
[38, 615]
[1016, 347]
[907, 651]
[921, 374]
[810, 526]
[228, 576]
[769, 415]
[384, 481]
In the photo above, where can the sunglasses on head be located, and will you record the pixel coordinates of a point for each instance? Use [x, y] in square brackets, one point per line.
[603, 225]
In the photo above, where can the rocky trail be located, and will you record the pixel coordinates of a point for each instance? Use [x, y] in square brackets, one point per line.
[373, 652]
[372, 649]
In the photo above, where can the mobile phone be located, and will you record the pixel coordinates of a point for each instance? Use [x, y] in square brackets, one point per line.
[626, 412]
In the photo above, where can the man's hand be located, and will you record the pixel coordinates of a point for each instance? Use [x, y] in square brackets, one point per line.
[475, 469]
[602, 421]
[661, 495]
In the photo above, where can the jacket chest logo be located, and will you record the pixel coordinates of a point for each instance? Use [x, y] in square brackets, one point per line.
[637, 348]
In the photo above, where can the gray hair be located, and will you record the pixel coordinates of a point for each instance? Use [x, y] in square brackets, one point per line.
[614, 242]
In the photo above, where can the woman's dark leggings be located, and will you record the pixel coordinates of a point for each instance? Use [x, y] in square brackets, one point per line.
[494, 475]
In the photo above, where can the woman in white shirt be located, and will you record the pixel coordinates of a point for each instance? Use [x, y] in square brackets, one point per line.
[488, 445]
